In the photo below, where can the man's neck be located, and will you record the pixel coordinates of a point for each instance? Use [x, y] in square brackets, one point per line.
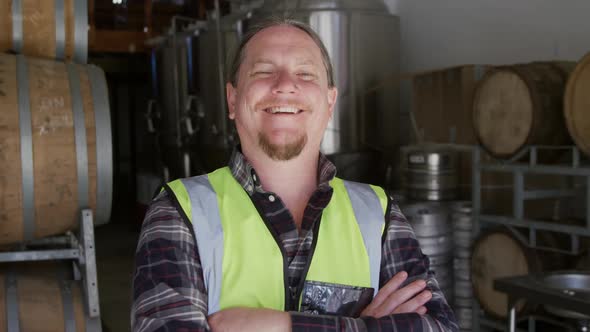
[293, 181]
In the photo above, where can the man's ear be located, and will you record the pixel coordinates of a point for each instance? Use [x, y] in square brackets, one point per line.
[332, 96]
[230, 94]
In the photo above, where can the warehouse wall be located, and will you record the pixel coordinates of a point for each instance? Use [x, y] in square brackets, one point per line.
[438, 33]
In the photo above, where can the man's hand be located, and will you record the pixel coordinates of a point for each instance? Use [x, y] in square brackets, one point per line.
[249, 319]
[394, 300]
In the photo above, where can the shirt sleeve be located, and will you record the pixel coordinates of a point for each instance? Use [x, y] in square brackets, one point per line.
[168, 288]
[400, 252]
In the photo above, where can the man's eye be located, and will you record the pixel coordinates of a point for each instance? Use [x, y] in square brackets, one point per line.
[262, 73]
[306, 76]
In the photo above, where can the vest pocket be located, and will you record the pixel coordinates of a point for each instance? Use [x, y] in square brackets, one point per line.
[322, 298]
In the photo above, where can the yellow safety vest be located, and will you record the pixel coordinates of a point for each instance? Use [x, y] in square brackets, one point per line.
[243, 264]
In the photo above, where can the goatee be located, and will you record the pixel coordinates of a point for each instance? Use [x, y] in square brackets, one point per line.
[282, 152]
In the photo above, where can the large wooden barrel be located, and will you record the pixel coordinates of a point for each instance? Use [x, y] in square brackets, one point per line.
[577, 104]
[55, 29]
[55, 146]
[521, 105]
[499, 253]
[42, 299]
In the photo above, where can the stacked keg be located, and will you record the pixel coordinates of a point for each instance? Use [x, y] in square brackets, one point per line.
[462, 240]
[432, 228]
[55, 165]
[430, 172]
[430, 181]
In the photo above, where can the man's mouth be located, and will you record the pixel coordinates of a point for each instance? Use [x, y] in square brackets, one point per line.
[283, 110]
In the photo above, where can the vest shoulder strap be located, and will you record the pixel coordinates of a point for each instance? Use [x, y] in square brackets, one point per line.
[370, 204]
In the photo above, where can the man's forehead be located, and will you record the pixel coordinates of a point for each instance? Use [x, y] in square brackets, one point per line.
[282, 36]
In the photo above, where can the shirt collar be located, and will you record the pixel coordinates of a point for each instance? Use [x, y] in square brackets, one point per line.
[246, 176]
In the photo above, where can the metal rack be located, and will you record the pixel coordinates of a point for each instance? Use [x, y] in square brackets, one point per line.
[575, 167]
[78, 249]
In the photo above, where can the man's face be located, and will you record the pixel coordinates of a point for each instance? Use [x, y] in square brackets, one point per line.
[282, 102]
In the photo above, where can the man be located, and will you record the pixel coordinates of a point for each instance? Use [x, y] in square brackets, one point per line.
[232, 250]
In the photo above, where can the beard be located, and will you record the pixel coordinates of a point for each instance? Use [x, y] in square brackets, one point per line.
[282, 152]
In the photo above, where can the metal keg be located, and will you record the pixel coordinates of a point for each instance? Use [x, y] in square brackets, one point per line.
[464, 318]
[462, 224]
[461, 218]
[430, 172]
[430, 222]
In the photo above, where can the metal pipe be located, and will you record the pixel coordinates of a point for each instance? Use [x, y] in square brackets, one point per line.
[540, 225]
[220, 66]
[175, 75]
[39, 255]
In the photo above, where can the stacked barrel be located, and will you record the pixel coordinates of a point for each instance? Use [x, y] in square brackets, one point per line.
[515, 106]
[539, 103]
[55, 147]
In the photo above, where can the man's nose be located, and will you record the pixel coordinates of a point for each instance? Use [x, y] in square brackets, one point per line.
[285, 83]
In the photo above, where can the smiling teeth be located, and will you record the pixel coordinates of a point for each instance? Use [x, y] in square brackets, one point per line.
[291, 110]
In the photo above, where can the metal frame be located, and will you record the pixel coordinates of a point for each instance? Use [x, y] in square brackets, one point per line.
[81, 250]
[575, 167]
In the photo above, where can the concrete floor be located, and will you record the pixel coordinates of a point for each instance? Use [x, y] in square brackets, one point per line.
[115, 248]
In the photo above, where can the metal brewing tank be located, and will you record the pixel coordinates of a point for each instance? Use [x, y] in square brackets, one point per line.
[362, 38]
[174, 107]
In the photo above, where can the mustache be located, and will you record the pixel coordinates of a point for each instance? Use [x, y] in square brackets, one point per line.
[267, 103]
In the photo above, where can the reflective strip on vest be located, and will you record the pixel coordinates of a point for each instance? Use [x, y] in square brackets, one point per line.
[204, 200]
[203, 212]
[369, 204]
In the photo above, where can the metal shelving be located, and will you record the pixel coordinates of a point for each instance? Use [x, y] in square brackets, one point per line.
[78, 249]
[574, 167]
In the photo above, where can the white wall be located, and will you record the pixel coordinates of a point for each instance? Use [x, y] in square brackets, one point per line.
[442, 33]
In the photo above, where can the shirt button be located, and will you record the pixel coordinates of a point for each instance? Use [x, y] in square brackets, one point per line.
[271, 198]
[249, 187]
[254, 177]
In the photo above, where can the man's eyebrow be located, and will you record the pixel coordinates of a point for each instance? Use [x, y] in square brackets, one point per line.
[305, 61]
[262, 61]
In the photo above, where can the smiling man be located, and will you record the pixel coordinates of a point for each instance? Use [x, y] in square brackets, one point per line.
[274, 241]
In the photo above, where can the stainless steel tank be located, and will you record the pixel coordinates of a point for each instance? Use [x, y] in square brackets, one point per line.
[172, 110]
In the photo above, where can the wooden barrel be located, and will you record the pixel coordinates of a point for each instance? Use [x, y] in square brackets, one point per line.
[521, 105]
[42, 299]
[55, 29]
[499, 253]
[55, 147]
[577, 105]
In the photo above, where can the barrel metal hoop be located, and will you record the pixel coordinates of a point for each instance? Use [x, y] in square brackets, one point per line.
[60, 30]
[17, 26]
[26, 148]
[104, 152]
[80, 136]
[68, 306]
[81, 31]
[12, 312]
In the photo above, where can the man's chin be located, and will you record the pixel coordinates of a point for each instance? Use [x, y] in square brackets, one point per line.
[284, 151]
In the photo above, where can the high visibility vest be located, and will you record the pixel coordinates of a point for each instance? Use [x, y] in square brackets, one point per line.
[243, 264]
